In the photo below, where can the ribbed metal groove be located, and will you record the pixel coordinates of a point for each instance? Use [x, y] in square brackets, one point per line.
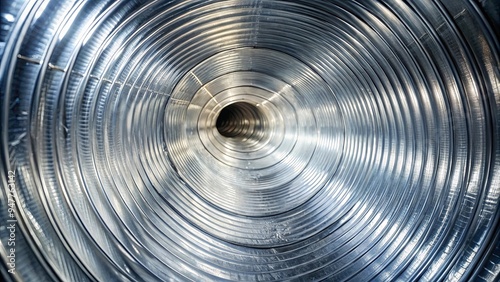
[250, 140]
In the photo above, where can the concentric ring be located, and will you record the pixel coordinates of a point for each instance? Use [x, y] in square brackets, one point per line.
[250, 140]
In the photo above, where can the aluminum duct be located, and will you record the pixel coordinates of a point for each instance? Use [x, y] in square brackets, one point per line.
[250, 140]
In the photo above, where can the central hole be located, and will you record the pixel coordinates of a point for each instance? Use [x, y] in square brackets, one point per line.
[240, 120]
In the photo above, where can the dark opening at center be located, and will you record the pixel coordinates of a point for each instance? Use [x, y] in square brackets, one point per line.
[239, 120]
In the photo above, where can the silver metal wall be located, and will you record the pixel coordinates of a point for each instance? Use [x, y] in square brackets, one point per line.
[250, 140]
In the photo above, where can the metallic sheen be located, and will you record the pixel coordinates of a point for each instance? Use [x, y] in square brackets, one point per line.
[250, 140]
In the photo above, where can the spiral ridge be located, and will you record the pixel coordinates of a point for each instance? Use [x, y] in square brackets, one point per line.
[250, 140]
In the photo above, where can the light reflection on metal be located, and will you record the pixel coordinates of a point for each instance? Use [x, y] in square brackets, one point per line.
[250, 140]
